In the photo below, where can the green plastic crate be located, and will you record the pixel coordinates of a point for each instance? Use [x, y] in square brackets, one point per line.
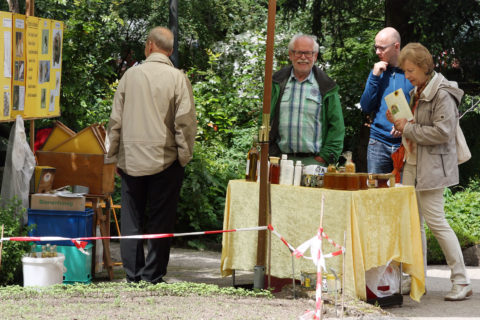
[79, 265]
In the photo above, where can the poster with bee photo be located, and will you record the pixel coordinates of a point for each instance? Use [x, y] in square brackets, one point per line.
[6, 20]
[56, 41]
[44, 65]
[18, 56]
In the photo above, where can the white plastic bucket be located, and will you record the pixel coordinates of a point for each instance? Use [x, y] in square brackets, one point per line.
[42, 272]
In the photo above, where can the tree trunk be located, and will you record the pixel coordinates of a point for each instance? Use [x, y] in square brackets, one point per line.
[13, 6]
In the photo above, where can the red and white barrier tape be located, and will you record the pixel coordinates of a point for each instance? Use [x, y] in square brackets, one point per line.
[292, 249]
[80, 242]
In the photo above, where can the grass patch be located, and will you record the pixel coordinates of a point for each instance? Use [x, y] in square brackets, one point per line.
[119, 289]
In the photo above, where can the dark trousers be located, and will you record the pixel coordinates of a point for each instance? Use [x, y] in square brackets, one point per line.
[149, 205]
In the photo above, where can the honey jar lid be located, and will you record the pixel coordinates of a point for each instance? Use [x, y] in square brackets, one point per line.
[383, 175]
[275, 160]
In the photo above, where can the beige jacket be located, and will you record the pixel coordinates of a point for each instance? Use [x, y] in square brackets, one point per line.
[153, 121]
[434, 132]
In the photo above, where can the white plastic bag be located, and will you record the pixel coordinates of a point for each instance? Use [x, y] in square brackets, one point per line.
[383, 281]
[19, 167]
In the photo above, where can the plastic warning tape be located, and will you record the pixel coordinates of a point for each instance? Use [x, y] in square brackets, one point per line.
[140, 236]
[270, 227]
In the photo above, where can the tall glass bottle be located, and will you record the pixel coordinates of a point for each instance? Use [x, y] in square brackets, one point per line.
[252, 159]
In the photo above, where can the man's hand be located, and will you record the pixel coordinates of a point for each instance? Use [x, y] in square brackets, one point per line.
[379, 67]
[389, 116]
[320, 159]
[395, 133]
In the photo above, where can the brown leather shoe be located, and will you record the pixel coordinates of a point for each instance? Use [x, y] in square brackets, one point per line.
[459, 292]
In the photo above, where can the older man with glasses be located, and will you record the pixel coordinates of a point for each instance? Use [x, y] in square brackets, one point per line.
[306, 117]
[385, 78]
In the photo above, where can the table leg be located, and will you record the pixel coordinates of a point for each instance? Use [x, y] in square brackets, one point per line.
[104, 223]
[106, 242]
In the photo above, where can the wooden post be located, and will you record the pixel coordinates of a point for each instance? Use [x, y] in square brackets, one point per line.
[264, 134]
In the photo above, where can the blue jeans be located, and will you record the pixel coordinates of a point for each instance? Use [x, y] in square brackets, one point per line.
[379, 157]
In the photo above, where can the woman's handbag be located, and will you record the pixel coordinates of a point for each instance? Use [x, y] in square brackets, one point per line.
[463, 152]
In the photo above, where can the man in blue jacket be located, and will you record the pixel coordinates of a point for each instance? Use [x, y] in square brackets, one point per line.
[385, 78]
[306, 117]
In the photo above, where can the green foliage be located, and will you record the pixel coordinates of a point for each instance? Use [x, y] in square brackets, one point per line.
[88, 64]
[462, 211]
[206, 179]
[11, 267]
[457, 37]
[469, 124]
[108, 290]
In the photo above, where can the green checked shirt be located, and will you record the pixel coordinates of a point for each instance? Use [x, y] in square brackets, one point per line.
[300, 125]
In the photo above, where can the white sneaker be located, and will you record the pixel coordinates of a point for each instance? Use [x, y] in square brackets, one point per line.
[459, 292]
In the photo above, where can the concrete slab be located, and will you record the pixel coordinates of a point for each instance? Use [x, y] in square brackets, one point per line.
[432, 305]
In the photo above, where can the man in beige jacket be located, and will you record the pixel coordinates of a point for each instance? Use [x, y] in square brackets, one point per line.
[151, 135]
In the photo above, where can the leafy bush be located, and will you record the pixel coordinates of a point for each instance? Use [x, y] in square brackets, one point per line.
[202, 199]
[11, 267]
[462, 210]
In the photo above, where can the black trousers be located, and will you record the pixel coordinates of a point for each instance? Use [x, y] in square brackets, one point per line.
[149, 205]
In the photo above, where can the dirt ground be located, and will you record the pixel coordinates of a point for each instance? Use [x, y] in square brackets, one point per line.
[197, 266]
[204, 267]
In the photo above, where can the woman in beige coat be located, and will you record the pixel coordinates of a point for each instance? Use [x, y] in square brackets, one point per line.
[431, 155]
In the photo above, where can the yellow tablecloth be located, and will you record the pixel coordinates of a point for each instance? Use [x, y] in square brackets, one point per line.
[380, 224]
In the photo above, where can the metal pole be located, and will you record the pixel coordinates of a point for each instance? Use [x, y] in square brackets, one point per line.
[173, 22]
[263, 141]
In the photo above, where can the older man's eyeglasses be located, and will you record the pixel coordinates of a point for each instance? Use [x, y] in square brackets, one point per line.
[383, 48]
[299, 54]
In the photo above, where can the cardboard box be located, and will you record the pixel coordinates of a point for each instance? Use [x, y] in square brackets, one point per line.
[89, 170]
[47, 201]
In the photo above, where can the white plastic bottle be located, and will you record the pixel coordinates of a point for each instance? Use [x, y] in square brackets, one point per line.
[298, 173]
[286, 171]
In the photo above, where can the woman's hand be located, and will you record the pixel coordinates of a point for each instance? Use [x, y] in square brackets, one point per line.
[400, 124]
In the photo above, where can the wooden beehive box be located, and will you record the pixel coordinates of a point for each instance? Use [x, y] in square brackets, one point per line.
[80, 169]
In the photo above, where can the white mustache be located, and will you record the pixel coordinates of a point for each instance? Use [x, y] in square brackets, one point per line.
[302, 61]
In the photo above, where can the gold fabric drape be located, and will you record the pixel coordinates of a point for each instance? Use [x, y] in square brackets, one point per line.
[380, 224]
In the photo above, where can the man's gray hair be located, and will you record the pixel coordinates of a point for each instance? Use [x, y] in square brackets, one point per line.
[162, 37]
[301, 35]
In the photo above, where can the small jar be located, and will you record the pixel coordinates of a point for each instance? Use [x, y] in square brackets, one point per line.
[372, 180]
[392, 180]
[353, 182]
[362, 179]
[328, 180]
[331, 283]
[341, 181]
[382, 180]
